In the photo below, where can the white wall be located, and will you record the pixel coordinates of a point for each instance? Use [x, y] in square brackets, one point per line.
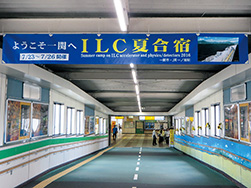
[54, 155]
[100, 114]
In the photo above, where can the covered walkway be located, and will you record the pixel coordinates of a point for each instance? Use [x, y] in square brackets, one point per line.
[132, 162]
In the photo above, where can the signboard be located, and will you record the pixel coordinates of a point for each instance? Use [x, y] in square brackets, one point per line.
[119, 117]
[125, 49]
[151, 118]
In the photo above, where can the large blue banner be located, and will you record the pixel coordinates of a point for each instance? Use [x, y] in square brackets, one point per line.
[125, 49]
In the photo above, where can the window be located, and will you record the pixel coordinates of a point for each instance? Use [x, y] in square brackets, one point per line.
[215, 125]
[231, 121]
[80, 125]
[205, 122]
[58, 118]
[198, 128]
[71, 126]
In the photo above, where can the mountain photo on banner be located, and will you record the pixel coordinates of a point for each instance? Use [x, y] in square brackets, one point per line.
[218, 49]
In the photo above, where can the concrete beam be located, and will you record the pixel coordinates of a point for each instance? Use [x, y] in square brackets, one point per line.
[136, 25]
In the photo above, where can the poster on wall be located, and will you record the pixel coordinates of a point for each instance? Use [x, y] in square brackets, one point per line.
[18, 121]
[39, 119]
[87, 127]
[231, 121]
[92, 124]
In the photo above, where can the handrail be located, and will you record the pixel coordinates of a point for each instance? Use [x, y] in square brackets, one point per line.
[217, 149]
[22, 164]
[182, 143]
[40, 150]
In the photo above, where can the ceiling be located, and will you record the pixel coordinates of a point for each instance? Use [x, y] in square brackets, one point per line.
[161, 86]
[136, 8]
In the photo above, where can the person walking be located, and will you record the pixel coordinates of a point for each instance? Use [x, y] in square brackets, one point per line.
[167, 133]
[154, 138]
[115, 131]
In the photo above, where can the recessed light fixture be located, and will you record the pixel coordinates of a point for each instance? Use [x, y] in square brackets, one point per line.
[121, 14]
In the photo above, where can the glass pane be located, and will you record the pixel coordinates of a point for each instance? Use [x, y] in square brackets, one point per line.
[92, 124]
[87, 125]
[13, 121]
[82, 128]
[61, 123]
[203, 122]
[244, 124]
[69, 121]
[25, 120]
[231, 121]
[249, 122]
[183, 126]
[39, 120]
[207, 125]
[213, 120]
[73, 121]
[218, 128]
[56, 118]
[199, 124]
[96, 125]
[78, 122]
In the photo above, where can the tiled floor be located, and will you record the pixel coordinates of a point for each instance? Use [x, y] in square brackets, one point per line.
[135, 140]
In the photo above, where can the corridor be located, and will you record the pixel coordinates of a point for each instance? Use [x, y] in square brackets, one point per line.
[132, 162]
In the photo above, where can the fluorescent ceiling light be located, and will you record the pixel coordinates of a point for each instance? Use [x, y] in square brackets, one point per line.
[137, 89]
[138, 98]
[134, 76]
[139, 104]
[121, 14]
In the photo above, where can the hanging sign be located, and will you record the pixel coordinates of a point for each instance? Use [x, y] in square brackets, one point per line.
[125, 49]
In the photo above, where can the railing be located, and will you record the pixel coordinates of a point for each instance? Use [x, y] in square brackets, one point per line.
[44, 149]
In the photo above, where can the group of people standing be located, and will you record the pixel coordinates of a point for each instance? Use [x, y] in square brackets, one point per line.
[163, 136]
